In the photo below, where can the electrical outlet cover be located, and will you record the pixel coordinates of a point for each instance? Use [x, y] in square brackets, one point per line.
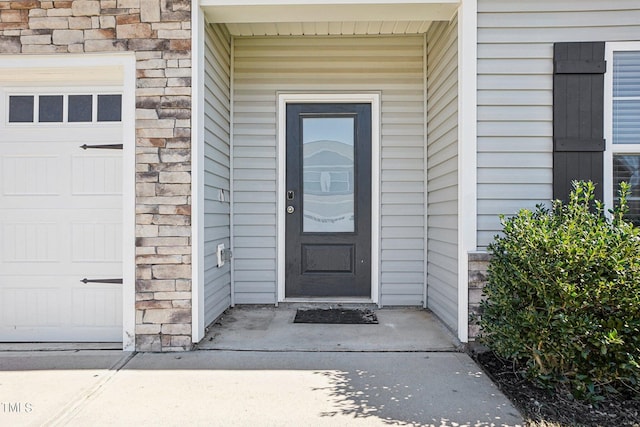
[219, 254]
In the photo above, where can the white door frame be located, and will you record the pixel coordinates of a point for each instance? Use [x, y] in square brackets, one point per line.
[118, 70]
[333, 98]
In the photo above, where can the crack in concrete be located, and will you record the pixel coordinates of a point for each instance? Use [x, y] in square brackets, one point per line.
[69, 411]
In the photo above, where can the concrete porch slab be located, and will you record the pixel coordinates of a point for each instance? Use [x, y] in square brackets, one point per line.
[260, 328]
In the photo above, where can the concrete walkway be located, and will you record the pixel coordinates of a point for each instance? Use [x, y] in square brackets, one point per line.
[229, 388]
[260, 369]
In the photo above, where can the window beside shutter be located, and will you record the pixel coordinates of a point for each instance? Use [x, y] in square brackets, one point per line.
[626, 97]
[626, 167]
[625, 128]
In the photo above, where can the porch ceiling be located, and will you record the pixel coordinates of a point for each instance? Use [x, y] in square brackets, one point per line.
[327, 17]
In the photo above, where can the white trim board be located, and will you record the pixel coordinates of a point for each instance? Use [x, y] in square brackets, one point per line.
[425, 172]
[374, 100]
[197, 176]
[232, 102]
[467, 154]
[129, 204]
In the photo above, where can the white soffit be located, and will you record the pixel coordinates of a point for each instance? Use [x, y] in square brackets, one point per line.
[317, 17]
[328, 28]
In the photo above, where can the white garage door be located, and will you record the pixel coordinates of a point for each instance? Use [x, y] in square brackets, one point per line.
[60, 216]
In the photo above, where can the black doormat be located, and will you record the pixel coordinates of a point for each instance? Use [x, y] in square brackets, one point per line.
[336, 316]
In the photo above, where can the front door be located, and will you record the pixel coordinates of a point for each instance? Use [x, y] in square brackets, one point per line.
[328, 200]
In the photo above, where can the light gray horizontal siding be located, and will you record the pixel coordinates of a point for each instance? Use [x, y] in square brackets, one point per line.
[515, 98]
[390, 65]
[442, 171]
[217, 281]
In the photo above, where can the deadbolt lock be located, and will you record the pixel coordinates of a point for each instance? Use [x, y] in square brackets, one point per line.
[290, 209]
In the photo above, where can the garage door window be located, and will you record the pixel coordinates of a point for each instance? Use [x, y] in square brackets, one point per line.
[65, 108]
[109, 108]
[21, 109]
[80, 108]
[50, 109]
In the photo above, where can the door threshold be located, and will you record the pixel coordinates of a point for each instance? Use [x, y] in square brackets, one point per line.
[341, 301]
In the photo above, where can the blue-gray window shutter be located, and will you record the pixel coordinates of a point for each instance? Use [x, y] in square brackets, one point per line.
[578, 115]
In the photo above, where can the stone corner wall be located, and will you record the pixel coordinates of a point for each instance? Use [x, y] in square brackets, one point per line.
[159, 32]
[478, 264]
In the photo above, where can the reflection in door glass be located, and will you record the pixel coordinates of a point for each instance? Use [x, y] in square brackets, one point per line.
[328, 174]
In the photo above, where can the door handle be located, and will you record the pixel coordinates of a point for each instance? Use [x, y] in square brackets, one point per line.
[115, 281]
[103, 146]
[290, 209]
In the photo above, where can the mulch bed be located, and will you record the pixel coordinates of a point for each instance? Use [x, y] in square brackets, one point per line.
[336, 316]
[542, 407]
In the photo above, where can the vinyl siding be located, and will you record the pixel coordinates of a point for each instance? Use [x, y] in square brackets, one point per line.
[515, 98]
[217, 286]
[442, 171]
[392, 66]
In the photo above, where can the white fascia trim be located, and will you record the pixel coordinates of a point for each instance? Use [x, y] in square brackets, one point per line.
[467, 154]
[318, 2]
[257, 11]
[374, 100]
[197, 175]
[610, 148]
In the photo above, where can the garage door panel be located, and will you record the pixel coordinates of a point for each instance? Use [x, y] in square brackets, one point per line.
[49, 308]
[41, 301]
[97, 305]
[56, 134]
[96, 242]
[24, 175]
[69, 203]
[66, 243]
[34, 183]
[93, 175]
[77, 271]
[30, 242]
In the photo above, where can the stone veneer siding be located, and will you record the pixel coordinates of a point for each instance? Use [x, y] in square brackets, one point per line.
[159, 32]
[478, 265]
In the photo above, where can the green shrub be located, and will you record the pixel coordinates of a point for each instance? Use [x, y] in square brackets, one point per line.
[563, 295]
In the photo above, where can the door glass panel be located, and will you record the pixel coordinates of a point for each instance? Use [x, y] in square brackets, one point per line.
[328, 174]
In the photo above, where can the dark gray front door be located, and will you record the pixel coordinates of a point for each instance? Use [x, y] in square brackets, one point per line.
[328, 200]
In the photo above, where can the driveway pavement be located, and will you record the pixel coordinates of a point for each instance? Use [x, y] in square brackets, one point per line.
[248, 388]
